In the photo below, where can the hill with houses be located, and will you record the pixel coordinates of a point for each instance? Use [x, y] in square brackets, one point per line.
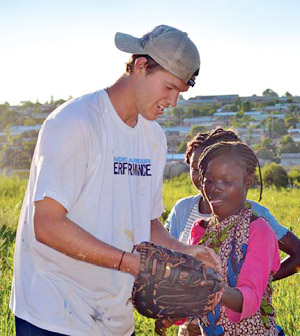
[269, 124]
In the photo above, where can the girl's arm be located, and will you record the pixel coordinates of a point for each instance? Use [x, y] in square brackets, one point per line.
[289, 244]
[233, 299]
[261, 259]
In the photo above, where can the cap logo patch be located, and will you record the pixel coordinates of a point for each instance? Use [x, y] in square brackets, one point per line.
[147, 37]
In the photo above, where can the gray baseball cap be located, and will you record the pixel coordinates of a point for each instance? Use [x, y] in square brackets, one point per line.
[169, 47]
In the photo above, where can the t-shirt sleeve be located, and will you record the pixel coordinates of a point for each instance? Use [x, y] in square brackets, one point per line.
[172, 223]
[279, 230]
[262, 258]
[61, 160]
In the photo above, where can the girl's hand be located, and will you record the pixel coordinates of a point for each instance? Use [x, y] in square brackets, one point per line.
[207, 255]
[161, 326]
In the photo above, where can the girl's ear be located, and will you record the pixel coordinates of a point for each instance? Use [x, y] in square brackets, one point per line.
[249, 180]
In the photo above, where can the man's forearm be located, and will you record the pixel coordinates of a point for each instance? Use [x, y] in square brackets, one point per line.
[161, 236]
[57, 231]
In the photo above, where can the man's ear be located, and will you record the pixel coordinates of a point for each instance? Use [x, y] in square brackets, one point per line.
[140, 64]
[249, 180]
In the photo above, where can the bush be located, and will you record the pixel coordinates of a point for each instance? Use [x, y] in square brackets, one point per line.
[274, 174]
[294, 177]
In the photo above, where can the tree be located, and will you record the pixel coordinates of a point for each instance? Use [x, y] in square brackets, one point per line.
[246, 106]
[178, 112]
[294, 109]
[288, 145]
[266, 150]
[15, 158]
[182, 147]
[193, 111]
[274, 174]
[266, 154]
[275, 127]
[240, 120]
[270, 93]
[294, 177]
[196, 129]
[8, 118]
[291, 121]
[288, 95]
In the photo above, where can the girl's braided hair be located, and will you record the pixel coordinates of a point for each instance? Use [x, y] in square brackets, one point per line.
[207, 139]
[243, 153]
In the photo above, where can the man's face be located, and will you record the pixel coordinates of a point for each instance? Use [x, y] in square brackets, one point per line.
[156, 91]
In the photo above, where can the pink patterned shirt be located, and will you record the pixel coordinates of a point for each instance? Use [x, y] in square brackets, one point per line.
[261, 259]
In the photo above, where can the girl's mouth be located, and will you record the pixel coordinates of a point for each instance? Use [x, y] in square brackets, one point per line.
[216, 202]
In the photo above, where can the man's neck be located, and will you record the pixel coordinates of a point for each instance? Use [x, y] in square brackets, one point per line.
[121, 97]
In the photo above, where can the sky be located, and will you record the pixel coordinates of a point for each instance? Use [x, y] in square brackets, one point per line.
[61, 48]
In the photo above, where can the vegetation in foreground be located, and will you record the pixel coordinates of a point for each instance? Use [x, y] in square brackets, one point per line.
[283, 203]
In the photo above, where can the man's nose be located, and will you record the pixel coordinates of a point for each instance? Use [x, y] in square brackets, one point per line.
[172, 99]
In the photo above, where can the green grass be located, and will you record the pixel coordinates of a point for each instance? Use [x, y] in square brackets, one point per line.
[284, 204]
[11, 194]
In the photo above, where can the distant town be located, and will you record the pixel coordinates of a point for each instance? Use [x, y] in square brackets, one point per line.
[268, 123]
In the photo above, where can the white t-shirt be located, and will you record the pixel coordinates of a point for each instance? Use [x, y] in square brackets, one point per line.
[109, 178]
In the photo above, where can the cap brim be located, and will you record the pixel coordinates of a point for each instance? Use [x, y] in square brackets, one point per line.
[128, 43]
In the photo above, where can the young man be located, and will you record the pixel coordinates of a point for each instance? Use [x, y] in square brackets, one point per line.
[95, 191]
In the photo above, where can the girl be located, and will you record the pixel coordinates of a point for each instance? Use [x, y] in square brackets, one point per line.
[187, 210]
[246, 244]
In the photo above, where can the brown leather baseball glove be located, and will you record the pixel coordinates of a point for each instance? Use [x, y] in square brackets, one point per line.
[173, 285]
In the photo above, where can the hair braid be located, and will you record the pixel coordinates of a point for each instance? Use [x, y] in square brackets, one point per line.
[207, 139]
[240, 150]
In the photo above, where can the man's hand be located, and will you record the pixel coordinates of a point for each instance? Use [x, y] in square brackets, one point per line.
[160, 236]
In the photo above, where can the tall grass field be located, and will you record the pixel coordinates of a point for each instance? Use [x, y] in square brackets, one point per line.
[284, 204]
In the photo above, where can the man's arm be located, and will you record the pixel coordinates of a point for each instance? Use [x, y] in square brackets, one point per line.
[53, 228]
[289, 244]
[160, 236]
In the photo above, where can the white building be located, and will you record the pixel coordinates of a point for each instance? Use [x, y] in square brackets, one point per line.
[290, 159]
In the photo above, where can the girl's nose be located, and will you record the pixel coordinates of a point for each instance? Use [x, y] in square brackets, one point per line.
[217, 187]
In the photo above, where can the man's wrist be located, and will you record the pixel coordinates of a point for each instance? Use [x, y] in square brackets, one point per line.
[130, 263]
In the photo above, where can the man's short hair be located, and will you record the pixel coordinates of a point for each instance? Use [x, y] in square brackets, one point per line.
[152, 65]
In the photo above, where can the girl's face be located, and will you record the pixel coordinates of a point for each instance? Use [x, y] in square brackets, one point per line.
[194, 169]
[225, 185]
